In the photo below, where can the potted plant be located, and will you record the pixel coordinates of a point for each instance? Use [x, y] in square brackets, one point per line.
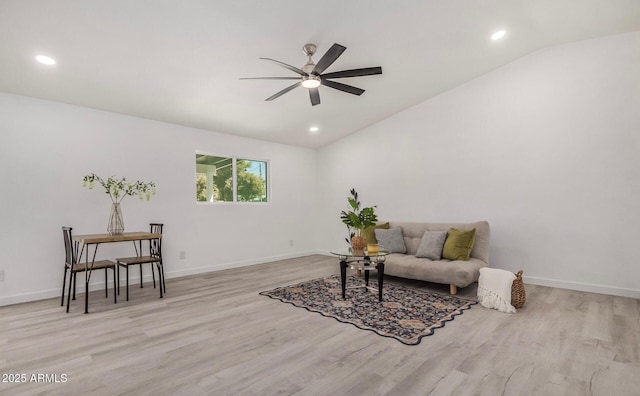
[117, 189]
[356, 220]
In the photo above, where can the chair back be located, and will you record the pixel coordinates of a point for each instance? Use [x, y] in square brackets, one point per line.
[69, 251]
[156, 228]
[155, 245]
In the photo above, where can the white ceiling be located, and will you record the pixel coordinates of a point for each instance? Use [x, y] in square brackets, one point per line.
[180, 61]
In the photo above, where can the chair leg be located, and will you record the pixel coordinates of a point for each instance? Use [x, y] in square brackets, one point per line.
[74, 287]
[127, 283]
[153, 275]
[159, 278]
[72, 276]
[140, 265]
[162, 277]
[115, 285]
[64, 283]
[118, 271]
[106, 282]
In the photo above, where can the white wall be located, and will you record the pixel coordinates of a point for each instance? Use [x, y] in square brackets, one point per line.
[45, 150]
[545, 149]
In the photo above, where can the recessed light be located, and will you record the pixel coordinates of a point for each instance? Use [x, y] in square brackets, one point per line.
[498, 35]
[314, 129]
[45, 60]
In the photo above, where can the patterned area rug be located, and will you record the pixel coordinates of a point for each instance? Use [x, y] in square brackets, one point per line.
[405, 314]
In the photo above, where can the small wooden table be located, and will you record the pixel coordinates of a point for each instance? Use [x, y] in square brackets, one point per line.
[97, 239]
[362, 260]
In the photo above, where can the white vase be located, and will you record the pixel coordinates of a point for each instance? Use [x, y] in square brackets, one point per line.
[116, 222]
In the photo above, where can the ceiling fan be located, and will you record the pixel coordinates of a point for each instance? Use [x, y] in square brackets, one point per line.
[311, 77]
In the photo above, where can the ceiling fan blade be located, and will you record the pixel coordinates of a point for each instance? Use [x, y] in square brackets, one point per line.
[269, 78]
[342, 87]
[292, 68]
[314, 95]
[328, 58]
[284, 91]
[366, 71]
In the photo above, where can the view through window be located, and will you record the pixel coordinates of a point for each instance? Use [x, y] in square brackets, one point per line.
[228, 179]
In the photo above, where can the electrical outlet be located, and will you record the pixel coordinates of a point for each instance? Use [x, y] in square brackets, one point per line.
[183, 255]
[1, 275]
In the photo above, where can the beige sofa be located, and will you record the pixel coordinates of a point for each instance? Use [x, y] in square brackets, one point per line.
[455, 273]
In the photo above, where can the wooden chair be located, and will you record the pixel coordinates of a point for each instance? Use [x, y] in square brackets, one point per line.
[73, 266]
[154, 257]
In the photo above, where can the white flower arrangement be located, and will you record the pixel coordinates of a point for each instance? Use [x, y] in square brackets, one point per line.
[120, 188]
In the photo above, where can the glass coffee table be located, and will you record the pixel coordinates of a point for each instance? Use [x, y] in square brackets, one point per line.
[362, 260]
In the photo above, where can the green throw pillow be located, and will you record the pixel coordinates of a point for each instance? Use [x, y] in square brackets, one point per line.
[369, 233]
[458, 244]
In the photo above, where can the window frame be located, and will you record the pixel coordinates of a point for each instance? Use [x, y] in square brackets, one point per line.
[234, 179]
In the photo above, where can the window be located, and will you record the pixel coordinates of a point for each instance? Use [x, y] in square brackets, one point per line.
[228, 179]
[251, 178]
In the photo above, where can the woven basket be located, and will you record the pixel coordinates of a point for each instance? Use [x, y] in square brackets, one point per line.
[518, 296]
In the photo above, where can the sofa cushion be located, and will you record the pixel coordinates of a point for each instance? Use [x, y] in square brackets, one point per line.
[459, 273]
[459, 244]
[391, 239]
[369, 232]
[431, 245]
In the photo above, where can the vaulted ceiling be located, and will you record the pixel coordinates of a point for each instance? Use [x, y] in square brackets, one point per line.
[180, 61]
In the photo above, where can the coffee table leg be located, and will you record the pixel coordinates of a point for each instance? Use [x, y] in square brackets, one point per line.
[366, 273]
[380, 279]
[343, 277]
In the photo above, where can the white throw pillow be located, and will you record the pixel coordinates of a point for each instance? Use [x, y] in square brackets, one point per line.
[494, 289]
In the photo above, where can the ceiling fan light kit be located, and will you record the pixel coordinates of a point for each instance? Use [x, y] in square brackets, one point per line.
[311, 74]
[311, 81]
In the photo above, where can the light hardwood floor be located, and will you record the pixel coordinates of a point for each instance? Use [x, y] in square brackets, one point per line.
[214, 335]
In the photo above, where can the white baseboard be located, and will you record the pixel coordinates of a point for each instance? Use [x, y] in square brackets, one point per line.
[134, 279]
[236, 264]
[34, 296]
[46, 294]
[586, 287]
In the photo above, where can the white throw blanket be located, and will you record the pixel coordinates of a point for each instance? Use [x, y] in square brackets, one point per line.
[494, 289]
